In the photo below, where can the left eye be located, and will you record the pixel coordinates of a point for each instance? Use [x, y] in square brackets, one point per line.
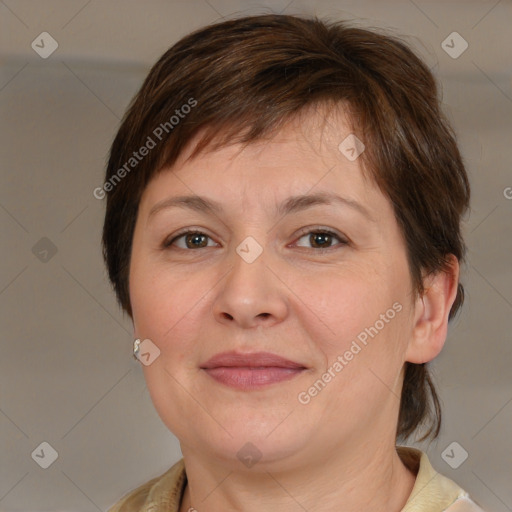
[321, 238]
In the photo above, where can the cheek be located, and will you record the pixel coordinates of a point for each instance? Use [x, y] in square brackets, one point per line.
[347, 302]
[169, 307]
[367, 319]
[155, 311]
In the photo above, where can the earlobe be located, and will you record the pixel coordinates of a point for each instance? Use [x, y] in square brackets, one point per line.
[134, 329]
[431, 314]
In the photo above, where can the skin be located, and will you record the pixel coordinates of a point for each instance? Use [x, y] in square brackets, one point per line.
[198, 299]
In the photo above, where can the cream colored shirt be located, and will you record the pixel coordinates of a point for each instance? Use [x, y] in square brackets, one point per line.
[432, 492]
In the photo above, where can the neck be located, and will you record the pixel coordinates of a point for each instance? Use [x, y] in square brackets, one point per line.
[372, 479]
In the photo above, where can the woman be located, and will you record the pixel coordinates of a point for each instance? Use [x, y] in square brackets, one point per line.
[284, 199]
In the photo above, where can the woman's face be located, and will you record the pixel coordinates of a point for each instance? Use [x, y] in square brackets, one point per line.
[258, 279]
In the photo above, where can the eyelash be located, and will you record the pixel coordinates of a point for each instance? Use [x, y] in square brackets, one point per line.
[307, 231]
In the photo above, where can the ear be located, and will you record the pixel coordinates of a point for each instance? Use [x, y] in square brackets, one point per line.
[431, 314]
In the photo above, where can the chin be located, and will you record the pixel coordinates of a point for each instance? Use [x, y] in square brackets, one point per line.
[250, 444]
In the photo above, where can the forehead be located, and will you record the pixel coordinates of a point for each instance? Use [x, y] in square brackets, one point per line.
[315, 130]
[307, 154]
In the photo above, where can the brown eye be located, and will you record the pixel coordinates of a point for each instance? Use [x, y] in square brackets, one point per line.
[321, 239]
[191, 240]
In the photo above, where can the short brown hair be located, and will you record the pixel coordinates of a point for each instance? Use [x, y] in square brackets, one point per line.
[243, 78]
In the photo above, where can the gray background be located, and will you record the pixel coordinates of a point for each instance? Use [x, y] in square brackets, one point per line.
[66, 372]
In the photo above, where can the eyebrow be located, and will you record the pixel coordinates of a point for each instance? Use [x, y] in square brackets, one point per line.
[291, 205]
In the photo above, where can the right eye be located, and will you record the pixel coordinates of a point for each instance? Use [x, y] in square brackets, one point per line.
[193, 239]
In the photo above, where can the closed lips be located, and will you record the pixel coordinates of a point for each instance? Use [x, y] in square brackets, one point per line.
[255, 360]
[249, 372]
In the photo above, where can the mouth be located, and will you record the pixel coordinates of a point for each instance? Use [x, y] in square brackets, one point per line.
[251, 371]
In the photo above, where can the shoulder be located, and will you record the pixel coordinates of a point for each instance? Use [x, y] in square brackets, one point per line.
[162, 491]
[432, 491]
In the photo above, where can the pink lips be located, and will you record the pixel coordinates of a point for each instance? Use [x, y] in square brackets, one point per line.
[251, 371]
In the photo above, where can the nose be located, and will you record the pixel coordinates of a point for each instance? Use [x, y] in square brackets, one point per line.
[251, 294]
